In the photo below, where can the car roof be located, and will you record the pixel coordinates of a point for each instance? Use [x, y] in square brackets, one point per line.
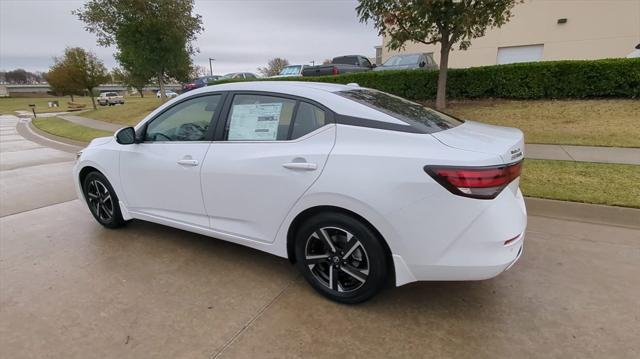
[277, 86]
[320, 92]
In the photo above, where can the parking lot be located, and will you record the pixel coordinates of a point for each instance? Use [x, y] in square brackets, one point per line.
[70, 288]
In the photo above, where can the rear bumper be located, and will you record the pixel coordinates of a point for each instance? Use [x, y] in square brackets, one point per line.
[472, 248]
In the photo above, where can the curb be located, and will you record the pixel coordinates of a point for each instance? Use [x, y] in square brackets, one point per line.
[26, 129]
[584, 212]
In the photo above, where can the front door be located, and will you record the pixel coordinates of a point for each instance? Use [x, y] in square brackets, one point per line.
[273, 150]
[161, 175]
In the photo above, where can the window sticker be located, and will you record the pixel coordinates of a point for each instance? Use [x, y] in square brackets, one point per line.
[255, 122]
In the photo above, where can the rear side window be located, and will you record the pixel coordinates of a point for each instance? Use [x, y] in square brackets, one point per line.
[308, 119]
[416, 115]
[259, 118]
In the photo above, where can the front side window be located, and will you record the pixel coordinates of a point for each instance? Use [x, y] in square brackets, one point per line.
[186, 121]
[423, 118]
[259, 118]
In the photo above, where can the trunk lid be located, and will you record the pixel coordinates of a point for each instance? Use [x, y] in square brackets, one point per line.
[506, 142]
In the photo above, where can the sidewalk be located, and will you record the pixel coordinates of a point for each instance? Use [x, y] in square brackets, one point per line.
[87, 122]
[617, 155]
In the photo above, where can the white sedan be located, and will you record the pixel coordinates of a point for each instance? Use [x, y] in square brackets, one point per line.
[357, 187]
[168, 93]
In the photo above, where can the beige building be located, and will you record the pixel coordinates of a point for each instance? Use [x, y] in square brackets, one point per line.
[543, 30]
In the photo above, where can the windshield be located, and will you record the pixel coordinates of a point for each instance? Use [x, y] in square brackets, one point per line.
[400, 60]
[423, 118]
[290, 70]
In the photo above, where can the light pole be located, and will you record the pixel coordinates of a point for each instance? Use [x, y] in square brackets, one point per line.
[211, 66]
[313, 63]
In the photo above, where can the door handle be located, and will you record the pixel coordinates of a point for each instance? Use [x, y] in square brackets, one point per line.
[188, 162]
[304, 166]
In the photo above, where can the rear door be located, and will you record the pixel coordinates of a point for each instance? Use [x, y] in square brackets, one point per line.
[270, 151]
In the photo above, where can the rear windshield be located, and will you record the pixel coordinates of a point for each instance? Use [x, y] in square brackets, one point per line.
[345, 60]
[400, 60]
[423, 118]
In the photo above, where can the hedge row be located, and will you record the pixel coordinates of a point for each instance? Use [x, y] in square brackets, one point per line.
[534, 80]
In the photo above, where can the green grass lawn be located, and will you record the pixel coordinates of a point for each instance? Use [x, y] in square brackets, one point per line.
[599, 183]
[570, 122]
[59, 127]
[10, 104]
[134, 110]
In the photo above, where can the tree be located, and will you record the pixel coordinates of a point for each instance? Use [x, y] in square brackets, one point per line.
[152, 36]
[327, 62]
[79, 69]
[131, 79]
[274, 66]
[60, 81]
[430, 22]
[17, 76]
[198, 71]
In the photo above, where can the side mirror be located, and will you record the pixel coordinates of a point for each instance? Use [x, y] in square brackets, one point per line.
[422, 64]
[126, 136]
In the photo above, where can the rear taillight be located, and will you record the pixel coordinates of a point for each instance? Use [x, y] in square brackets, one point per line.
[475, 182]
[335, 71]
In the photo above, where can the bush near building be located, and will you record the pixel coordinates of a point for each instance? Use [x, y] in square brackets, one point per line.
[534, 80]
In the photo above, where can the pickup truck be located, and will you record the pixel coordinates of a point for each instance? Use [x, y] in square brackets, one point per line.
[340, 65]
[110, 98]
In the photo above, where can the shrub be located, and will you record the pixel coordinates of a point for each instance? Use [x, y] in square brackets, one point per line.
[533, 80]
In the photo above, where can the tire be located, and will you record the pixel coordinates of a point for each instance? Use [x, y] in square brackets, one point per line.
[341, 257]
[102, 200]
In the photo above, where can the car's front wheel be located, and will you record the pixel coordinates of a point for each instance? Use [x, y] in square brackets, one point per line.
[341, 257]
[102, 200]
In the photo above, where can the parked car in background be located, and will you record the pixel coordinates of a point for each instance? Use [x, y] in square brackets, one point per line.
[239, 76]
[357, 187]
[110, 99]
[340, 65]
[168, 93]
[635, 53]
[408, 62]
[199, 82]
[291, 71]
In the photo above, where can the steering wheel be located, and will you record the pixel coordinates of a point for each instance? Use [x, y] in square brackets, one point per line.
[160, 134]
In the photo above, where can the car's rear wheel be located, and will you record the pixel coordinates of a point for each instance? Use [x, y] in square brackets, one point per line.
[102, 200]
[341, 257]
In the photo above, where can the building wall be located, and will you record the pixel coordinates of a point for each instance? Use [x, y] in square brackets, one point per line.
[595, 29]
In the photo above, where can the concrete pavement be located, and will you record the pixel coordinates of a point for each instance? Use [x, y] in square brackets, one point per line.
[630, 156]
[72, 289]
[88, 122]
[31, 175]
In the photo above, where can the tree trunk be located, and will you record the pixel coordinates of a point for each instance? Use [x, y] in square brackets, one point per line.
[140, 92]
[163, 95]
[71, 95]
[93, 100]
[441, 96]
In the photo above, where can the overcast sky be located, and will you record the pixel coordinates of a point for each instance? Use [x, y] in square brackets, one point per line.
[239, 35]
